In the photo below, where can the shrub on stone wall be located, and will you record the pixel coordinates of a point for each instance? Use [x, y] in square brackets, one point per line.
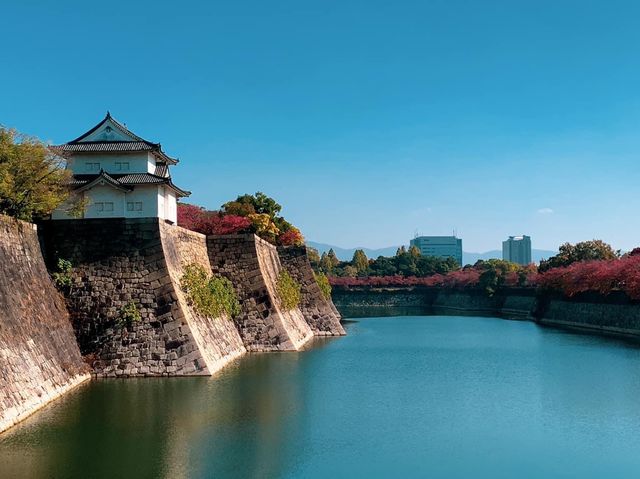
[128, 315]
[288, 291]
[62, 276]
[323, 283]
[211, 296]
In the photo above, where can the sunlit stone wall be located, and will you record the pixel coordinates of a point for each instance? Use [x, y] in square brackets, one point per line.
[39, 356]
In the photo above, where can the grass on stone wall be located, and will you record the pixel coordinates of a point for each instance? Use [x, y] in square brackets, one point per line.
[128, 315]
[62, 276]
[288, 291]
[211, 296]
[323, 283]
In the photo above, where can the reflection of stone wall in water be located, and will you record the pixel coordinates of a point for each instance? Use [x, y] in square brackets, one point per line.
[39, 356]
[318, 311]
[614, 314]
[253, 266]
[116, 261]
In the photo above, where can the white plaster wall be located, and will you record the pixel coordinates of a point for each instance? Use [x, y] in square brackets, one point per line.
[148, 196]
[171, 206]
[138, 163]
[105, 194]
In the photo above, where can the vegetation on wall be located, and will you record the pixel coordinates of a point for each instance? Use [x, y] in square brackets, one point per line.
[583, 251]
[289, 291]
[128, 315]
[33, 179]
[62, 275]
[211, 296]
[256, 213]
[323, 283]
[589, 266]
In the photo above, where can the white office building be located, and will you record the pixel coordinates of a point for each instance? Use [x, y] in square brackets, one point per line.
[517, 249]
[439, 246]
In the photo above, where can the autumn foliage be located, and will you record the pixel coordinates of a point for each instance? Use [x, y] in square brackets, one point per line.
[207, 222]
[599, 276]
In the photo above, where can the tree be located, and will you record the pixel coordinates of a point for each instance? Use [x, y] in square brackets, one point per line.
[326, 264]
[400, 251]
[259, 203]
[414, 251]
[292, 237]
[360, 261]
[333, 258]
[583, 251]
[33, 179]
[314, 256]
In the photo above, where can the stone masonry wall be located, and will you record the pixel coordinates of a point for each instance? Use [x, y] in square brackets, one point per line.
[253, 266]
[218, 338]
[318, 311]
[39, 356]
[116, 261]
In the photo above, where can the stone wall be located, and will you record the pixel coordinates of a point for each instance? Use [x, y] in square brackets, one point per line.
[516, 303]
[39, 356]
[318, 311]
[217, 338]
[117, 261]
[614, 314]
[253, 266]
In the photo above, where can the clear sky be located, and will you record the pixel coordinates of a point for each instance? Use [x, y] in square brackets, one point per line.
[368, 120]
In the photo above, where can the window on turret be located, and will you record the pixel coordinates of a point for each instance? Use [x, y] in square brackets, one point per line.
[92, 166]
[122, 166]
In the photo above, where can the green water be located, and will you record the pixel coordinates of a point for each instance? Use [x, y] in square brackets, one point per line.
[437, 397]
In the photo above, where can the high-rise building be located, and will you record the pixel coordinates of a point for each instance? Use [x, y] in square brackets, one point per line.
[517, 249]
[439, 246]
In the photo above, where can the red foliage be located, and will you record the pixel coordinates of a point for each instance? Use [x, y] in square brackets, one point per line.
[600, 276]
[206, 222]
[291, 237]
[230, 224]
[455, 279]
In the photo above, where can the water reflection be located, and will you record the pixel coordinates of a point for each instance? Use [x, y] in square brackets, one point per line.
[399, 397]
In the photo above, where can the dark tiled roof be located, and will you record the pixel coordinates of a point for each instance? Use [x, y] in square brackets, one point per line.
[127, 181]
[162, 170]
[139, 144]
[106, 146]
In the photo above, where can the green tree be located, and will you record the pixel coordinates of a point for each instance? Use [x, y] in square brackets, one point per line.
[33, 179]
[360, 261]
[400, 251]
[333, 258]
[414, 251]
[314, 256]
[583, 251]
[326, 265]
[259, 203]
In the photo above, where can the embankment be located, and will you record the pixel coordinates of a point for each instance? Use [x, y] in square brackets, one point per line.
[614, 314]
[253, 266]
[118, 261]
[39, 356]
[319, 311]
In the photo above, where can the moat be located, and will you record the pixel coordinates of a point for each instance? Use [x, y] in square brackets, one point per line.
[453, 397]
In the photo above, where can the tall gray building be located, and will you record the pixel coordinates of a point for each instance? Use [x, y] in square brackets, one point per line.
[439, 246]
[517, 249]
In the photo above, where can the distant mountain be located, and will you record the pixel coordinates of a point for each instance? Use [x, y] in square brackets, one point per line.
[345, 254]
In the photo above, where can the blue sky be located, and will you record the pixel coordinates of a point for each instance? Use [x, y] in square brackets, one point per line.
[368, 120]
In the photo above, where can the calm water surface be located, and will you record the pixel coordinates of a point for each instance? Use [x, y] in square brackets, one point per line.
[437, 397]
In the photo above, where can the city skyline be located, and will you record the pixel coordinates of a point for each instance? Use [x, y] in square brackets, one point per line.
[364, 123]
